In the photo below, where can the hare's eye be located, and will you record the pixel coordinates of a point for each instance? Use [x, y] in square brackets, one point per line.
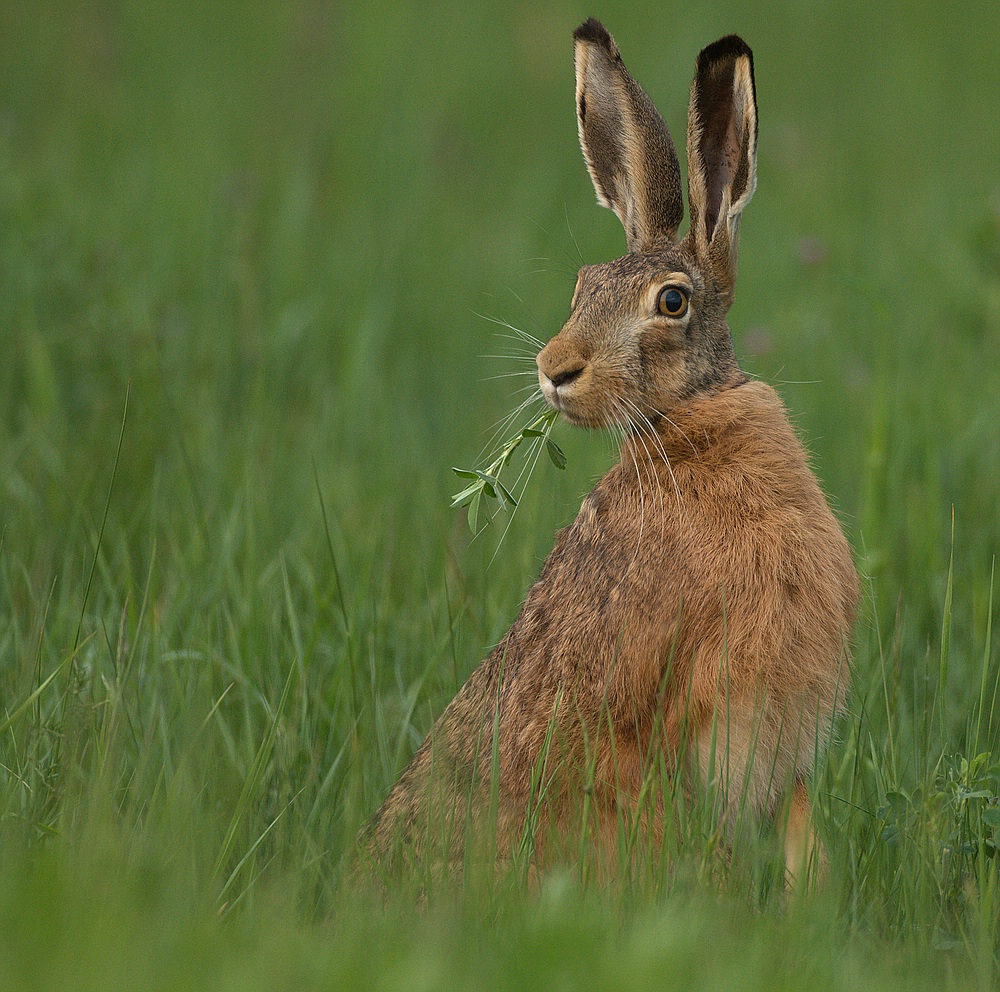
[672, 302]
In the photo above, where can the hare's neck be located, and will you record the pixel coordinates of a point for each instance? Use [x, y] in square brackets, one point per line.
[692, 429]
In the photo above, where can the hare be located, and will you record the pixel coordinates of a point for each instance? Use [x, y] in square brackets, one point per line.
[696, 614]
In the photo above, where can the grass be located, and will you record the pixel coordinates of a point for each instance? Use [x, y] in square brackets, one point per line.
[243, 254]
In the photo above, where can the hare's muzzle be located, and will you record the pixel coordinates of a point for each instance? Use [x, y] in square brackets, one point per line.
[559, 371]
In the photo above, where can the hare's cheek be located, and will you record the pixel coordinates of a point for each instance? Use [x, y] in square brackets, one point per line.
[663, 354]
[663, 344]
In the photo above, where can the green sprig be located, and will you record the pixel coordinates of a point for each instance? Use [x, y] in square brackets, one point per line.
[486, 482]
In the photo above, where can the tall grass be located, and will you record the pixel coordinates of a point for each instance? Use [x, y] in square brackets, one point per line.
[230, 612]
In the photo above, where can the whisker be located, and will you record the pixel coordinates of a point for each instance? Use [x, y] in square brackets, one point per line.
[503, 426]
[691, 443]
[621, 410]
[573, 265]
[528, 359]
[527, 336]
[512, 375]
[521, 338]
[505, 423]
[569, 227]
[641, 434]
[518, 356]
[658, 443]
[522, 334]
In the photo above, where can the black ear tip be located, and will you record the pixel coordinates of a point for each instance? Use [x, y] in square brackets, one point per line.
[731, 47]
[594, 31]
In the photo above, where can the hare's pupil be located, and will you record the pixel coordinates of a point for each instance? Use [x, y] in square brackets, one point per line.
[671, 302]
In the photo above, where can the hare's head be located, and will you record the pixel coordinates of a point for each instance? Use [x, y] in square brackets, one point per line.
[648, 330]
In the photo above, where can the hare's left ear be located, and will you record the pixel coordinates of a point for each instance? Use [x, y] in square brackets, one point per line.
[722, 152]
[627, 147]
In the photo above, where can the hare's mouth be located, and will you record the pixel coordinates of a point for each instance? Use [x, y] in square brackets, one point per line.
[575, 402]
[562, 393]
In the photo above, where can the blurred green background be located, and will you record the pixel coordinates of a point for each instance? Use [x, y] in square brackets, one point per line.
[284, 232]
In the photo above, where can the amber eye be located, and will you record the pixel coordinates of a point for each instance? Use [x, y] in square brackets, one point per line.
[672, 302]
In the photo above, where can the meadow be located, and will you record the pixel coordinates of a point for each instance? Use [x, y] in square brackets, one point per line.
[257, 267]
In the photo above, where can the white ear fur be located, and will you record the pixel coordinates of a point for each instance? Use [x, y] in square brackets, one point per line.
[627, 147]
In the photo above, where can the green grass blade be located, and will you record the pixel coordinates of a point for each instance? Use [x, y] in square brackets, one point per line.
[254, 776]
[941, 695]
[26, 703]
[104, 521]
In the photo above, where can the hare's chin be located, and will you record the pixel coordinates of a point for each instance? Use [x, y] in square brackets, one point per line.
[552, 399]
[580, 418]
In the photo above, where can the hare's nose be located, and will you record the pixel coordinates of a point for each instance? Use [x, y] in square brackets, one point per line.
[560, 365]
[565, 376]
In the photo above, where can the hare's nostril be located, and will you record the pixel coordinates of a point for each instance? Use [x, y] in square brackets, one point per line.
[566, 376]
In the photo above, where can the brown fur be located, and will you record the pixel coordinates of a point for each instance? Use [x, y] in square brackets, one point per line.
[700, 605]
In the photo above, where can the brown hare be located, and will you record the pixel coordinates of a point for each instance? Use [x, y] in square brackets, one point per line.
[696, 614]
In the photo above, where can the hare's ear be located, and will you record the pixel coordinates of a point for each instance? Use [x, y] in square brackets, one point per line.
[722, 152]
[626, 145]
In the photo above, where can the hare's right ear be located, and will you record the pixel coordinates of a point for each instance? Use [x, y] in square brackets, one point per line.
[627, 147]
[722, 153]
